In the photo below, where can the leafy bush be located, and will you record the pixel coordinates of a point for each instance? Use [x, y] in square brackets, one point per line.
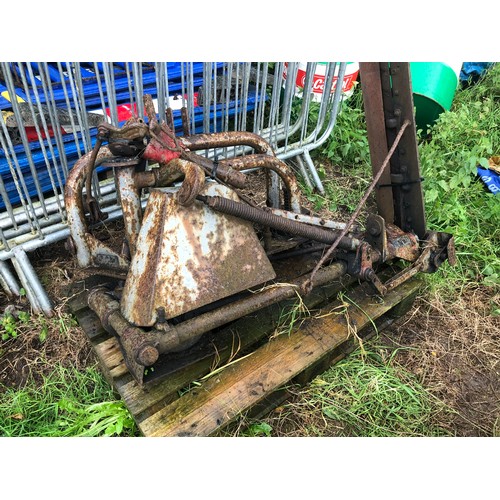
[456, 200]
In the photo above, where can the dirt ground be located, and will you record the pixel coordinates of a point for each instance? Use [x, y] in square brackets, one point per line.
[455, 345]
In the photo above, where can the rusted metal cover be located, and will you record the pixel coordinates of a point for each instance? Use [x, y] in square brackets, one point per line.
[188, 257]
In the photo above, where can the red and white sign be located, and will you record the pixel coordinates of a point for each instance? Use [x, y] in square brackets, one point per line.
[319, 77]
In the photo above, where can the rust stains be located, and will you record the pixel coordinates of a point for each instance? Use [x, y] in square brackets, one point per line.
[190, 256]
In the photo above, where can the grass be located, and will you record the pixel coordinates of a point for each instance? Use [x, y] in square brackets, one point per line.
[369, 395]
[69, 403]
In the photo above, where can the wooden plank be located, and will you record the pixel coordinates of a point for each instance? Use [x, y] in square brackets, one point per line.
[110, 354]
[223, 397]
[243, 333]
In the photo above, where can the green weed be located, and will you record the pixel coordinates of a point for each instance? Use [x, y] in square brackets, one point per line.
[258, 429]
[69, 403]
[9, 327]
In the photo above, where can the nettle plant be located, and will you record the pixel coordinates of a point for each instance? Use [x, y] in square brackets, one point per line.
[10, 325]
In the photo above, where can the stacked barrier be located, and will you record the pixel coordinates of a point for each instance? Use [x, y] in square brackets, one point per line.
[50, 113]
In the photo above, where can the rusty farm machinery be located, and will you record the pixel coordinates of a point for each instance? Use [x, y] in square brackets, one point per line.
[198, 254]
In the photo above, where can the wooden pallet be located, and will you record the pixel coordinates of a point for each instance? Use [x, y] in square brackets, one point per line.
[202, 392]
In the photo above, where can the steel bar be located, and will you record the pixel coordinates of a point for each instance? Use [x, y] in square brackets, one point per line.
[56, 182]
[87, 145]
[4, 244]
[54, 119]
[13, 172]
[309, 219]
[69, 107]
[110, 85]
[82, 107]
[101, 92]
[314, 173]
[25, 266]
[245, 85]
[371, 87]
[225, 314]
[304, 172]
[20, 184]
[26, 285]
[160, 85]
[15, 108]
[11, 286]
[139, 89]
[6, 200]
[132, 97]
[206, 92]
[190, 100]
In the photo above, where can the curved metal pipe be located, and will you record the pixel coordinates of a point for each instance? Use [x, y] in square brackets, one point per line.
[227, 139]
[168, 173]
[272, 163]
[73, 202]
[194, 179]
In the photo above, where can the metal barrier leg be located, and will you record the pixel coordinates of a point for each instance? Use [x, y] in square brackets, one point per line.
[303, 171]
[34, 289]
[314, 172]
[8, 280]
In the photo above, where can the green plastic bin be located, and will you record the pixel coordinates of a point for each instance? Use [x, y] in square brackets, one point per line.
[434, 85]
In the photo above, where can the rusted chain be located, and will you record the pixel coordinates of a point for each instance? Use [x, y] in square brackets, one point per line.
[308, 284]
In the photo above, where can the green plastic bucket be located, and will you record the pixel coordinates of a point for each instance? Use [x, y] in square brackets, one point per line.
[434, 85]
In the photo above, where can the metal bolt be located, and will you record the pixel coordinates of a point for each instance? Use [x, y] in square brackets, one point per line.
[391, 123]
[147, 355]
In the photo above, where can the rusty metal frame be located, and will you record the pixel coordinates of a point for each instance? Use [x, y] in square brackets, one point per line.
[398, 232]
[388, 102]
[357, 254]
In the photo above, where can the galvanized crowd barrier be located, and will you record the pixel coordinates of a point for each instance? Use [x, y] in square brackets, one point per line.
[50, 113]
